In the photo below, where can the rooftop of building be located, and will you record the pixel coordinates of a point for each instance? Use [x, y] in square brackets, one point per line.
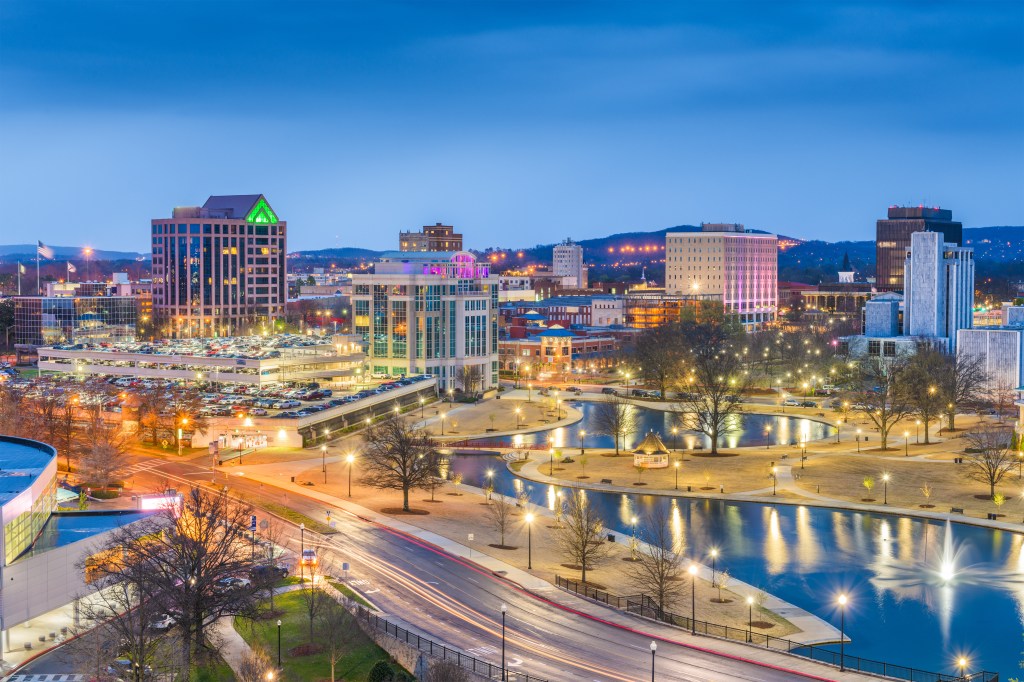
[240, 347]
[21, 463]
[920, 212]
[252, 208]
[556, 331]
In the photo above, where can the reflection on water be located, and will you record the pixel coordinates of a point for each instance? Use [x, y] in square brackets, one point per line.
[743, 429]
[921, 591]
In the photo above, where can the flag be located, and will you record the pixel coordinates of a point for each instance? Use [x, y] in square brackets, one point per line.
[44, 250]
[71, 268]
[21, 268]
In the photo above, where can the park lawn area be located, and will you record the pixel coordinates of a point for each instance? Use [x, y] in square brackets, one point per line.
[215, 671]
[355, 665]
[296, 517]
[348, 592]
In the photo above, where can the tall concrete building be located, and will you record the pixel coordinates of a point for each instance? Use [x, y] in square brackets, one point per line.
[430, 313]
[938, 288]
[729, 261]
[436, 237]
[567, 261]
[219, 269]
[892, 239]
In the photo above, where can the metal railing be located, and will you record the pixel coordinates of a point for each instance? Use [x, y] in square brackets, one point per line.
[490, 670]
[644, 606]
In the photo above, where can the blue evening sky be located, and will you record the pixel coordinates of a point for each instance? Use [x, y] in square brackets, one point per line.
[519, 122]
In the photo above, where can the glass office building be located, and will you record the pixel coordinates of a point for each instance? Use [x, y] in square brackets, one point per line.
[52, 320]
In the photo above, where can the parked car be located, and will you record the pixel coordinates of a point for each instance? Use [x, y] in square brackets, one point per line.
[161, 621]
[791, 402]
[808, 403]
[269, 573]
[608, 390]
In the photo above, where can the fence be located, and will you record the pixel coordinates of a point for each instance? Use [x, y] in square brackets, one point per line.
[493, 443]
[432, 648]
[644, 606]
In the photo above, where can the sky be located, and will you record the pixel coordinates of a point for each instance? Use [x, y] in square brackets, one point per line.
[520, 123]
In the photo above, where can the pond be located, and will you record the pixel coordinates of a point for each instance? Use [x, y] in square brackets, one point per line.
[922, 592]
[744, 429]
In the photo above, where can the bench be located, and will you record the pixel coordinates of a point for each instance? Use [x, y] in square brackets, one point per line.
[956, 510]
[606, 480]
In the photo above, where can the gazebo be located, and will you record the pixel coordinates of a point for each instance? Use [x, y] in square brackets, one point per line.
[651, 453]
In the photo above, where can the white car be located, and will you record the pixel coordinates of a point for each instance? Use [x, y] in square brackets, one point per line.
[791, 402]
[161, 621]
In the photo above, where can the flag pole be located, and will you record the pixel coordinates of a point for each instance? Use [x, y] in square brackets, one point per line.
[39, 292]
[19, 278]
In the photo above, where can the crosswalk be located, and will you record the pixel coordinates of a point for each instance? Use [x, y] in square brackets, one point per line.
[48, 677]
[145, 465]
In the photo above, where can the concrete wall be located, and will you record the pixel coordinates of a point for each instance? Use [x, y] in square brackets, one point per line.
[1001, 352]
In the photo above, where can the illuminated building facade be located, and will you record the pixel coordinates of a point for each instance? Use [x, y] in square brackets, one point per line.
[892, 239]
[430, 313]
[219, 269]
[49, 320]
[436, 237]
[728, 261]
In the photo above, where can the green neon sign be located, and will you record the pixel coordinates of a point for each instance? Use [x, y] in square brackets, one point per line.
[261, 213]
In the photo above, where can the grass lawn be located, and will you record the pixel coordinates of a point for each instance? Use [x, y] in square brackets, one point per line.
[356, 664]
[347, 591]
[296, 517]
[216, 671]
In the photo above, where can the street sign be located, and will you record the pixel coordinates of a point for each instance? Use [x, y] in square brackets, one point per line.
[252, 523]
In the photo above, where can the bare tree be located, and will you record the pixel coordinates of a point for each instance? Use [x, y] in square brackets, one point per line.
[254, 665]
[446, 671]
[656, 569]
[335, 632]
[615, 418]
[581, 537]
[271, 541]
[433, 484]
[15, 410]
[722, 581]
[124, 612]
[880, 393]
[714, 383]
[962, 384]
[1004, 395]
[398, 457]
[182, 561]
[103, 454]
[501, 512]
[924, 392]
[659, 352]
[988, 456]
[469, 377]
[314, 595]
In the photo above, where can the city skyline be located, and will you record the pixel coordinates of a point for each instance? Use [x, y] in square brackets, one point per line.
[565, 120]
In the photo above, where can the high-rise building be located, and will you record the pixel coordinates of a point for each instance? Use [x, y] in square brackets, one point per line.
[939, 288]
[892, 239]
[567, 261]
[219, 269]
[430, 313]
[727, 261]
[436, 237]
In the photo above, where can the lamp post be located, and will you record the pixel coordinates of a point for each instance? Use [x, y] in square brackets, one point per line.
[714, 559]
[750, 619]
[842, 631]
[775, 478]
[803, 453]
[529, 392]
[675, 438]
[917, 431]
[181, 433]
[654, 648]
[422, 402]
[350, 459]
[551, 465]
[529, 541]
[582, 434]
[518, 413]
[490, 483]
[442, 424]
[279, 644]
[302, 551]
[839, 425]
[693, 598]
[961, 664]
[504, 673]
[858, 440]
[906, 443]
[677, 475]
[323, 461]
[885, 488]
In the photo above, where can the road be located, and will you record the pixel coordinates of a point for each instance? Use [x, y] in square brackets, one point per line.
[457, 603]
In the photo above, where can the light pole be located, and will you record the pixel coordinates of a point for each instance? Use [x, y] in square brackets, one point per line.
[518, 412]
[551, 465]
[504, 673]
[693, 598]
[675, 438]
[582, 434]
[422, 402]
[775, 478]
[961, 663]
[858, 440]
[906, 443]
[181, 433]
[529, 392]
[677, 475]
[885, 488]
[803, 453]
[917, 431]
[750, 619]
[654, 648]
[442, 424]
[529, 542]
[768, 437]
[279, 644]
[302, 552]
[842, 632]
[490, 482]
[350, 459]
[323, 461]
[839, 425]
[714, 559]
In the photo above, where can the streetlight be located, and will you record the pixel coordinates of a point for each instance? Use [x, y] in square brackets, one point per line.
[917, 431]
[323, 461]
[677, 475]
[504, 673]
[270, 676]
[529, 392]
[490, 482]
[961, 663]
[442, 424]
[842, 631]
[768, 437]
[582, 434]
[885, 488]
[302, 551]
[675, 438]
[654, 648]
[422, 401]
[184, 422]
[858, 440]
[693, 598]
[529, 541]
[839, 425]
[714, 558]
[775, 478]
[906, 443]
[518, 412]
[278, 643]
[551, 457]
[750, 619]
[350, 458]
